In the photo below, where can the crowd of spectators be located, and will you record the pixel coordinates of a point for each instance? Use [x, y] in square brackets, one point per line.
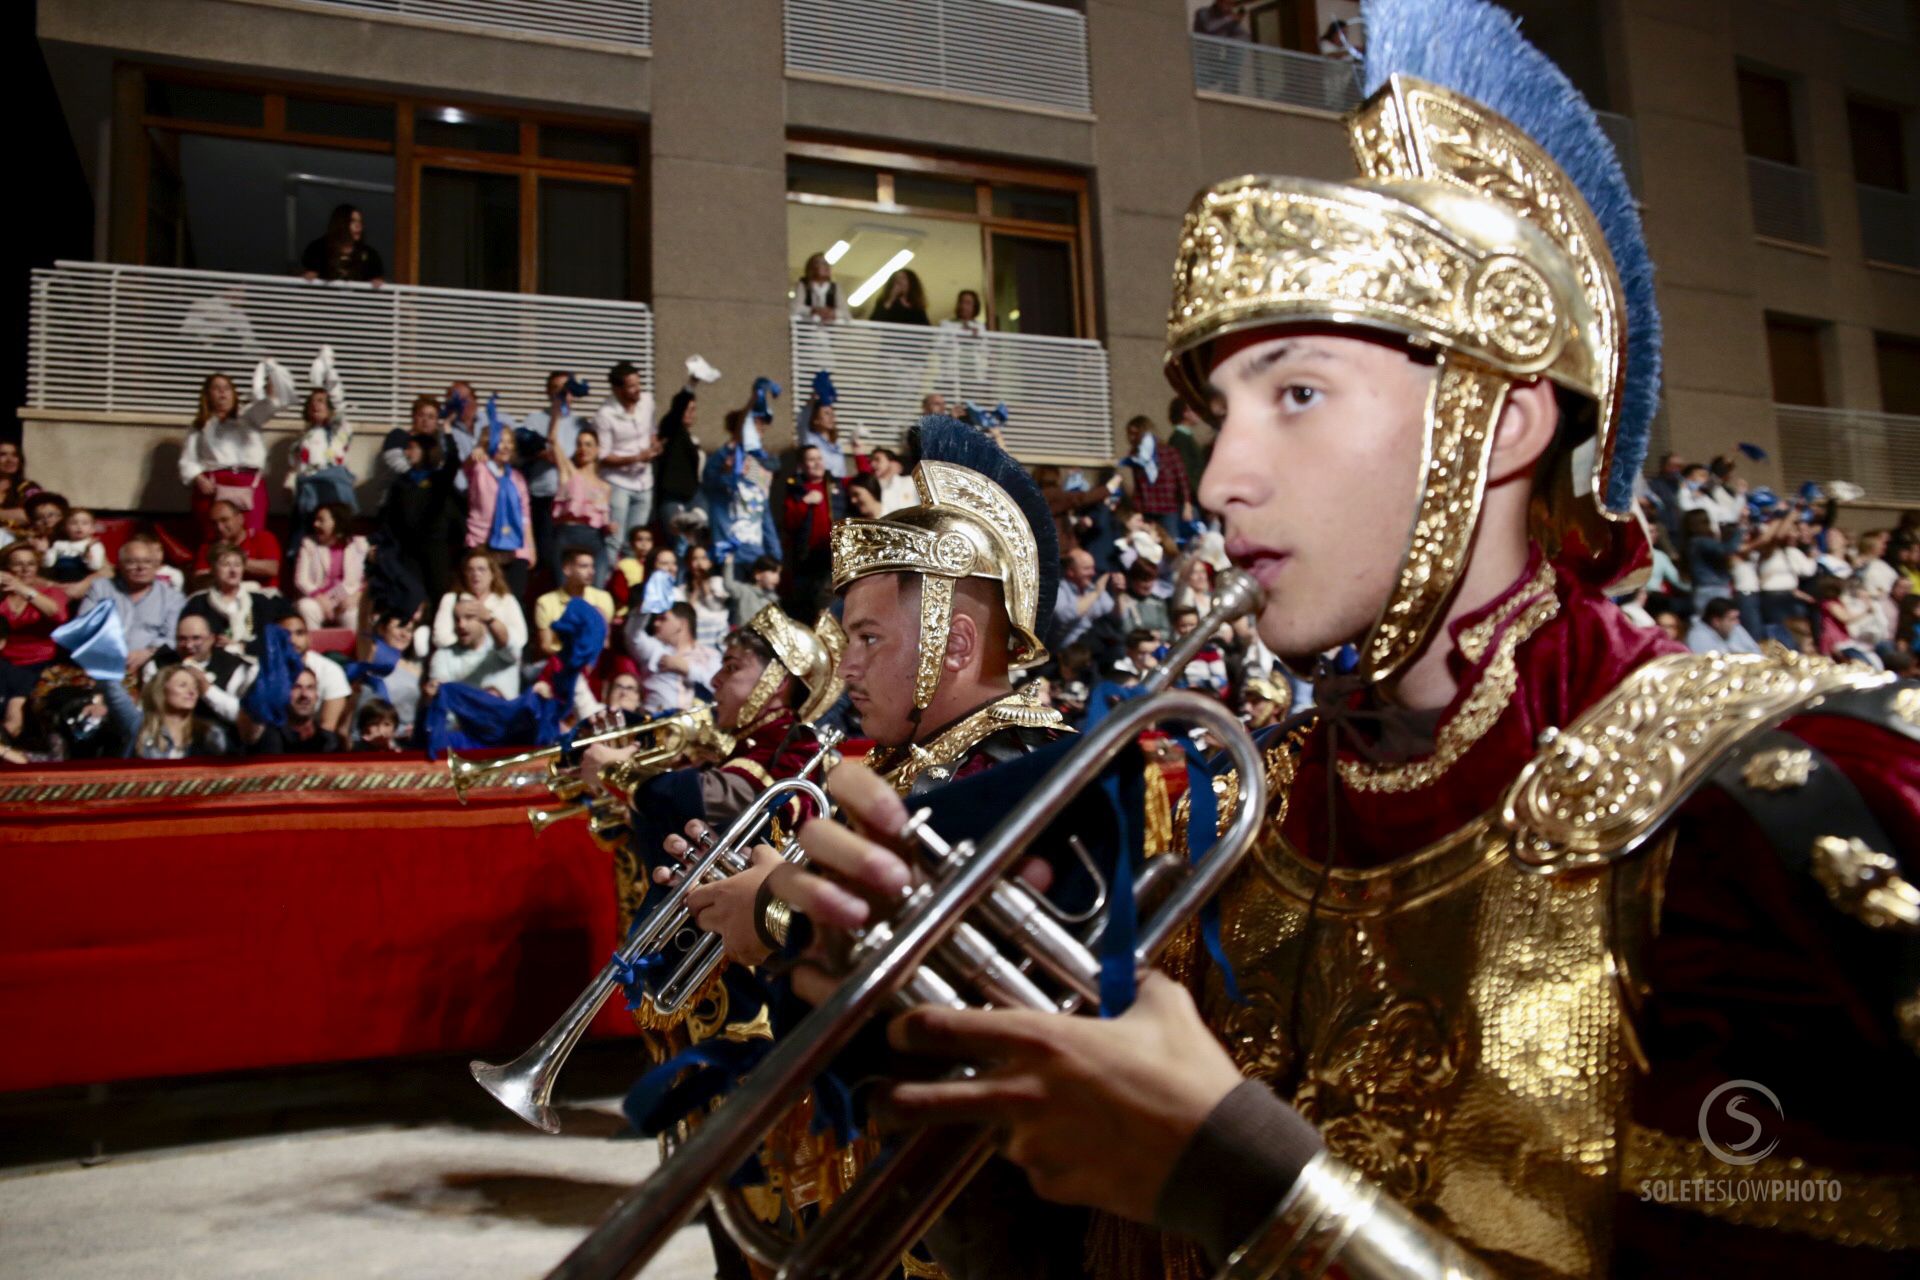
[485, 539]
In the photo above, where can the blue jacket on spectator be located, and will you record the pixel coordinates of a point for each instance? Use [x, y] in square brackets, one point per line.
[1710, 561]
[730, 498]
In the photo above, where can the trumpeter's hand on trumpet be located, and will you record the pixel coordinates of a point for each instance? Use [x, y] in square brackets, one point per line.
[725, 907]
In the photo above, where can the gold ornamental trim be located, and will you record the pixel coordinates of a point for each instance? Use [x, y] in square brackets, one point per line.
[1865, 883]
[796, 648]
[1599, 787]
[1781, 769]
[902, 766]
[833, 639]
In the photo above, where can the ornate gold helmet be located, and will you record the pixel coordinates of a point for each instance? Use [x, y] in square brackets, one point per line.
[797, 653]
[821, 697]
[1506, 246]
[980, 515]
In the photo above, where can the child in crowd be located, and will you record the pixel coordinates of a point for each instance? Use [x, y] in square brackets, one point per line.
[376, 726]
[630, 572]
[76, 555]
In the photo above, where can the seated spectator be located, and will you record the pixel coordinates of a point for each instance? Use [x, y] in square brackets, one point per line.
[1717, 629]
[421, 511]
[623, 693]
[76, 558]
[576, 582]
[480, 579]
[897, 489]
[475, 657]
[388, 672]
[46, 515]
[817, 295]
[229, 526]
[706, 590]
[1207, 672]
[1835, 618]
[1194, 586]
[1223, 20]
[1143, 607]
[15, 488]
[225, 455]
[810, 506]
[1143, 651]
[376, 727]
[499, 509]
[240, 610]
[672, 661]
[329, 678]
[343, 254]
[30, 610]
[330, 571]
[1084, 599]
[629, 574]
[148, 605]
[226, 676]
[581, 503]
[902, 300]
[863, 494]
[171, 727]
[749, 598]
[302, 733]
[319, 475]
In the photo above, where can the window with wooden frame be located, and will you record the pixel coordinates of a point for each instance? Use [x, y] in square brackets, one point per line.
[1017, 239]
[243, 176]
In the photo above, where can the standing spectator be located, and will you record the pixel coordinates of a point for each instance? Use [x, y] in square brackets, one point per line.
[1779, 550]
[343, 254]
[1185, 441]
[736, 483]
[171, 727]
[897, 489]
[148, 605]
[820, 426]
[76, 558]
[546, 437]
[582, 504]
[1142, 608]
[963, 346]
[30, 610]
[420, 515]
[1709, 557]
[240, 611]
[576, 582]
[811, 502]
[474, 658]
[226, 453]
[329, 572]
[458, 422]
[902, 300]
[258, 545]
[624, 422]
[329, 678]
[676, 470]
[1665, 487]
[320, 475]
[1833, 555]
[302, 733]
[1084, 599]
[1193, 586]
[706, 590]
[817, 296]
[934, 405]
[1160, 478]
[226, 676]
[481, 580]
[629, 576]
[1717, 629]
[763, 589]
[1223, 20]
[15, 488]
[499, 512]
[672, 661]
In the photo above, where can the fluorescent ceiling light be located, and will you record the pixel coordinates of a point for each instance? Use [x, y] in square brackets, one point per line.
[880, 277]
[838, 251]
[452, 115]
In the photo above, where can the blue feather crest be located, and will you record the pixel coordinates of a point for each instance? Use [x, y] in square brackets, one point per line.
[941, 439]
[1475, 48]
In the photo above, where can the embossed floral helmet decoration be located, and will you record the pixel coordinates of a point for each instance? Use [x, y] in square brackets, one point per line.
[1492, 230]
[980, 515]
[798, 653]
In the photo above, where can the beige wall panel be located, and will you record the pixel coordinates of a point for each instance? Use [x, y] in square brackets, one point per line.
[1707, 423]
[1714, 341]
[945, 123]
[1236, 140]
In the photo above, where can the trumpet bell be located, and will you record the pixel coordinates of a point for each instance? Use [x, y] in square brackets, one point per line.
[523, 1092]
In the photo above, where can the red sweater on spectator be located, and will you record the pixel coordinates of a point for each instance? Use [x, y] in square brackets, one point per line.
[260, 545]
[1166, 495]
[30, 635]
[808, 526]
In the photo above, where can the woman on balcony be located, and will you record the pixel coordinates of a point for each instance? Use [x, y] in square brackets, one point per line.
[343, 254]
[902, 301]
[226, 452]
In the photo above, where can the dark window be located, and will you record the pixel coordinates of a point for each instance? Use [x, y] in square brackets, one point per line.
[1766, 117]
[920, 191]
[823, 178]
[369, 120]
[588, 146]
[585, 228]
[1033, 285]
[470, 230]
[1793, 354]
[205, 103]
[1899, 361]
[466, 130]
[1033, 204]
[1879, 147]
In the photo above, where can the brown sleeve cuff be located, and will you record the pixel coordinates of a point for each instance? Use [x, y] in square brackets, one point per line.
[1237, 1168]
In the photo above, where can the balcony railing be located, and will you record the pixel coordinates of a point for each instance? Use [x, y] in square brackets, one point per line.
[1880, 452]
[1786, 202]
[105, 338]
[1057, 390]
[1012, 51]
[1262, 72]
[1882, 17]
[1889, 226]
[1620, 131]
[622, 23]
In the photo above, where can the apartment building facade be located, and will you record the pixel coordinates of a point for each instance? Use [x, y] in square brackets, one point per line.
[560, 183]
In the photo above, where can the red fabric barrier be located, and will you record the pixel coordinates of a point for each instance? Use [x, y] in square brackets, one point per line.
[312, 911]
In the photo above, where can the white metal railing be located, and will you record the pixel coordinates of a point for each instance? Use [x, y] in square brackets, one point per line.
[1057, 390]
[106, 338]
[624, 23]
[1889, 226]
[1786, 202]
[1245, 70]
[1883, 17]
[1011, 50]
[1880, 452]
[1620, 131]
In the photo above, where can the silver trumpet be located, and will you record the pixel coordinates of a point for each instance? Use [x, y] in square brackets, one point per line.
[927, 950]
[525, 1085]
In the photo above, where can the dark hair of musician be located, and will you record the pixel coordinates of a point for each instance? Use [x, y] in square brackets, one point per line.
[756, 644]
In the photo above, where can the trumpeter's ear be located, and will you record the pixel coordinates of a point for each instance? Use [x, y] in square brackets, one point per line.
[1526, 428]
[963, 641]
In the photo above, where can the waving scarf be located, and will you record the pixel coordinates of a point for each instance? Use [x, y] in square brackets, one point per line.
[465, 717]
[374, 671]
[265, 701]
[96, 641]
[508, 531]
